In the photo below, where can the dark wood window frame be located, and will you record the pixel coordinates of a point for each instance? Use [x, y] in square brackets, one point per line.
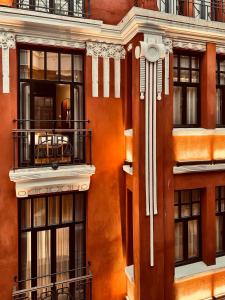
[184, 221]
[30, 81]
[185, 85]
[221, 87]
[220, 213]
[52, 228]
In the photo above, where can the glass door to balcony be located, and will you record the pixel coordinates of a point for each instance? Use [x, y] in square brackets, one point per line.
[51, 110]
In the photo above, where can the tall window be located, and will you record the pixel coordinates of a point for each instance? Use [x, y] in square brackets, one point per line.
[220, 220]
[220, 91]
[51, 237]
[51, 97]
[186, 103]
[187, 208]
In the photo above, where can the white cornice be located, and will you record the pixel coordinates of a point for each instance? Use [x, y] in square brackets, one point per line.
[52, 27]
[198, 168]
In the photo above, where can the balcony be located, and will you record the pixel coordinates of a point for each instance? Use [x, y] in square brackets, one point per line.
[200, 9]
[72, 8]
[51, 156]
[74, 284]
[51, 142]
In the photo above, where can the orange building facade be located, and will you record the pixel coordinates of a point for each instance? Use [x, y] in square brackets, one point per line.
[112, 164]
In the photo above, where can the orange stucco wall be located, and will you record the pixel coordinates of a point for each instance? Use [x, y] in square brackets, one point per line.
[8, 203]
[104, 231]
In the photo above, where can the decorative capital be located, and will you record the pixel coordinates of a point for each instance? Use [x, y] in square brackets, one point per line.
[168, 44]
[7, 40]
[105, 50]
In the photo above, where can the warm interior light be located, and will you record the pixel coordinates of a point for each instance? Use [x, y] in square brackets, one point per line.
[129, 145]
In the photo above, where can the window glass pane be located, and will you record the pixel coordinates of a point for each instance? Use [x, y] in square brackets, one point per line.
[222, 203]
[185, 211]
[222, 78]
[67, 208]
[217, 192]
[219, 102]
[222, 192]
[177, 106]
[62, 253]
[195, 76]
[176, 200]
[24, 64]
[79, 207]
[176, 212]
[53, 210]
[78, 68]
[26, 259]
[192, 105]
[175, 61]
[185, 197]
[39, 212]
[66, 67]
[38, 64]
[193, 247]
[219, 233]
[222, 65]
[196, 195]
[196, 209]
[184, 61]
[52, 66]
[25, 213]
[79, 247]
[217, 206]
[175, 75]
[43, 256]
[184, 75]
[195, 62]
[178, 242]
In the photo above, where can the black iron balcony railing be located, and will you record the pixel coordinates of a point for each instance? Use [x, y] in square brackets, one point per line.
[73, 8]
[70, 285]
[213, 10]
[51, 142]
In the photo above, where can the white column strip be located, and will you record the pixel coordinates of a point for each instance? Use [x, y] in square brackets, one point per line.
[147, 139]
[94, 76]
[154, 142]
[151, 208]
[106, 77]
[117, 75]
[5, 70]
[167, 75]
[142, 77]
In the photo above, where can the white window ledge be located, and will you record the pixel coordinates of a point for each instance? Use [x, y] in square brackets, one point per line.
[198, 168]
[198, 268]
[129, 271]
[44, 180]
[128, 169]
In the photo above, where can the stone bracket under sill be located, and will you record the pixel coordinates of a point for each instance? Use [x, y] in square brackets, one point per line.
[45, 180]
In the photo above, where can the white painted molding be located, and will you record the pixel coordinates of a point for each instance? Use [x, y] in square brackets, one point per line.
[128, 132]
[198, 168]
[195, 131]
[128, 169]
[130, 47]
[94, 76]
[30, 39]
[106, 51]
[117, 77]
[129, 271]
[189, 45]
[7, 41]
[106, 72]
[44, 180]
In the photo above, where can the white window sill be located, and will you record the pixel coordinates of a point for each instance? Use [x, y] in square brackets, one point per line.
[129, 271]
[198, 268]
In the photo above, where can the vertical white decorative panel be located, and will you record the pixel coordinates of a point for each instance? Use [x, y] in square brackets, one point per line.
[117, 79]
[5, 70]
[106, 73]
[7, 41]
[94, 76]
